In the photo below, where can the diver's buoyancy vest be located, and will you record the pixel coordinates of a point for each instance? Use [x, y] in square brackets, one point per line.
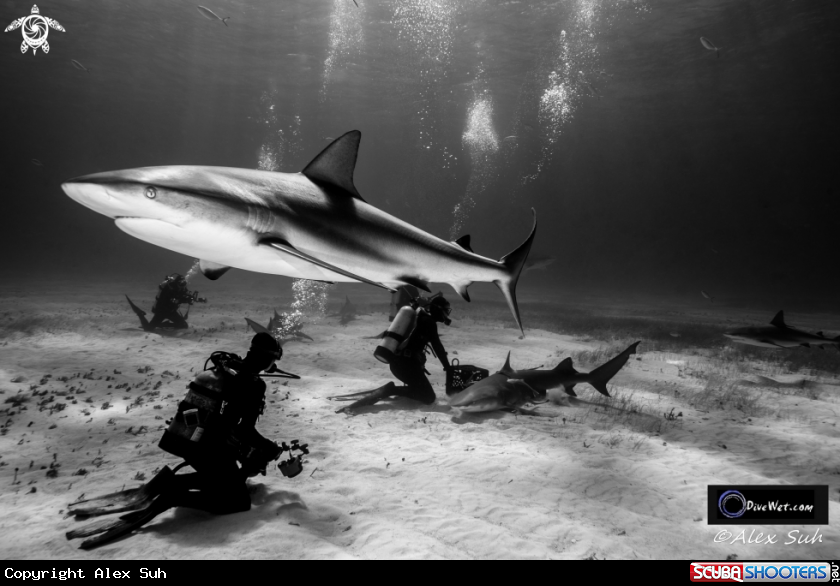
[205, 418]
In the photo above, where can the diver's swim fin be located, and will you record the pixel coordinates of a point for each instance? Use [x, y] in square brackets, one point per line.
[368, 398]
[105, 532]
[124, 500]
[353, 396]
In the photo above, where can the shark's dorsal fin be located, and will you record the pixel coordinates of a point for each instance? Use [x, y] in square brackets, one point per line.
[565, 365]
[779, 320]
[212, 270]
[506, 369]
[821, 335]
[335, 164]
[464, 242]
[256, 327]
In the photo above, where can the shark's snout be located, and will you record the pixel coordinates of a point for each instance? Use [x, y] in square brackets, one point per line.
[93, 196]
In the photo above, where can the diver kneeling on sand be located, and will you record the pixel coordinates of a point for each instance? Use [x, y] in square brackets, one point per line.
[172, 292]
[404, 350]
[214, 430]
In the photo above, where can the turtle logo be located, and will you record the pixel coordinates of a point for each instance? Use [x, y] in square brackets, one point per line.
[35, 29]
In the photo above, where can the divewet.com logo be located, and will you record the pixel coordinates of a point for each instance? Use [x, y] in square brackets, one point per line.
[791, 572]
[768, 505]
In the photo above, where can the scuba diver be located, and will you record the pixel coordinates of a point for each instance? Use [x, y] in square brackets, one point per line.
[406, 353]
[214, 431]
[172, 292]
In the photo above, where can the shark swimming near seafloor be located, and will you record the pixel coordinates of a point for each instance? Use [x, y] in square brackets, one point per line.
[564, 374]
[497, 391]
[780, 335]
[309, 225]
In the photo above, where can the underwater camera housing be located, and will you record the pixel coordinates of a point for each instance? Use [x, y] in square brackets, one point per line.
[294, 465]
[460, 376]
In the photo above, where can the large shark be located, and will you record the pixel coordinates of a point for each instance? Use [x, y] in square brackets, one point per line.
[309, 225]
[494, 392]
[780, 335]
[565, 375]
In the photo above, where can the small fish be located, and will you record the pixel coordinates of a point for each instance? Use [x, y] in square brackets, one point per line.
[709, 45]
[78, 65]
[356, 3]
[510, 138]
[37, 163]
[707, 296]
[210, 15]
[674, 334]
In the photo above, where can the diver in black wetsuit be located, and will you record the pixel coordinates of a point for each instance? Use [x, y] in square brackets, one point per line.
[172, 292]
[409, 364]
[214, 431]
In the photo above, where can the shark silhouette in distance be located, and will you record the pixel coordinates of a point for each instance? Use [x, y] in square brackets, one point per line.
[309, 225]
[780, 335]
[497, 391]
[564, 375]
[278, 321]
[347, 313]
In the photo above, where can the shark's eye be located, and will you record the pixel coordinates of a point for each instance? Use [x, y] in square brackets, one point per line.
[151, 192]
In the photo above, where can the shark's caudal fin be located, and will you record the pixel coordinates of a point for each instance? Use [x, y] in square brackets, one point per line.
[599, 377]
[513, 262]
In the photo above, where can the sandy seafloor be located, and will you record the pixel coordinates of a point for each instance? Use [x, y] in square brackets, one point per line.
[402, 480]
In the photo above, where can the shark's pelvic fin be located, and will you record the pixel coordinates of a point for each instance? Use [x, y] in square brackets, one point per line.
[284, 246]
[513, 263]
[335, 164]
[779, 320]
[461, 289]
[464, 242]
[212, 270]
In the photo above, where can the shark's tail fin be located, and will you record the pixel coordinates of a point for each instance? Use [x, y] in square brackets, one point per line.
[599, 377]
[513, 263]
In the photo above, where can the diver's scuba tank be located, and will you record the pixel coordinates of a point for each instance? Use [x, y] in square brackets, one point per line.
[399, 330]
[205, 415]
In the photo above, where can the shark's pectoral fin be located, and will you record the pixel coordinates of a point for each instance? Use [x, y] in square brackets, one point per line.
[335, 164]
[779, 320]
[416, 282]
[283, 246]
[212, 270]
[464, 242]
